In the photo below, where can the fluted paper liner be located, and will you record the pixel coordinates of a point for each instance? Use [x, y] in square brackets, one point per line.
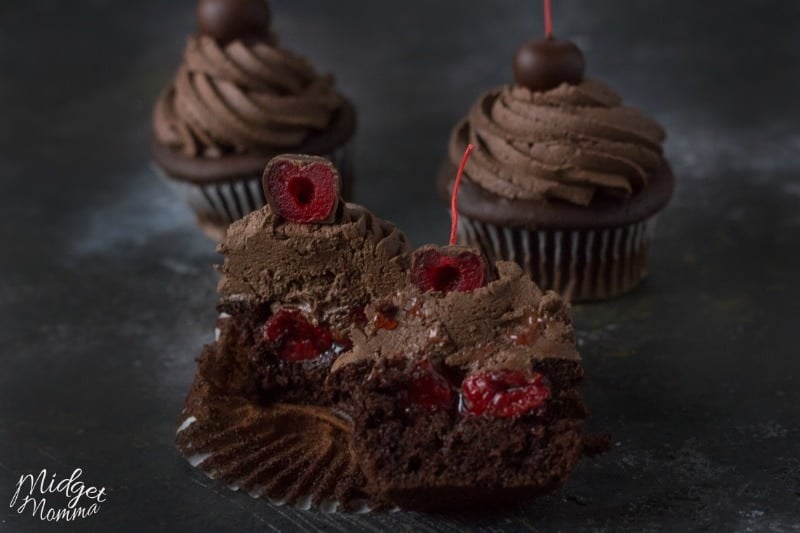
[581, 264]
[287, 454]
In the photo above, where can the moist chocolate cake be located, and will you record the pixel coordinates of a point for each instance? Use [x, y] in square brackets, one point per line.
[350, 371]
[463, 392]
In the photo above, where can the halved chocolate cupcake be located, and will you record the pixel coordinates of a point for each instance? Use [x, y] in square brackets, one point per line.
[238, 100]
[350, 373]
[565, 180]
[296, 278]
[463, 387]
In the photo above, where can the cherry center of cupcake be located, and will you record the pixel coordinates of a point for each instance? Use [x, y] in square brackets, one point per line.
[294, 338]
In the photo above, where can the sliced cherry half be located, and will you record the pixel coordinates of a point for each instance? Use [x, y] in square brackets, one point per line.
[448, 268]
[294, 338]
[428, 389]
[302, 188]
[503, 393]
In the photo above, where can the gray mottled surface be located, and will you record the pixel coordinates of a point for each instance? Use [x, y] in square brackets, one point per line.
[106, 293]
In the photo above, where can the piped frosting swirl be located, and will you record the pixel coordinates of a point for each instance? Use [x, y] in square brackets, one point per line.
[573, 143]
[241, 98]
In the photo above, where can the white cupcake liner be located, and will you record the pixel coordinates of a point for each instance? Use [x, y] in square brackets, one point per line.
[581, 264]
[222, 202]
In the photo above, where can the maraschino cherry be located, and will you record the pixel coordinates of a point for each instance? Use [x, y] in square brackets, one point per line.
[449, 268]
[503, 393]
[302, 188]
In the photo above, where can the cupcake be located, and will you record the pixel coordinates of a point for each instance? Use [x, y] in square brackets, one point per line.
[565, 180]
[238, 100]
[350, 373]
[462, 387]
[297, 274]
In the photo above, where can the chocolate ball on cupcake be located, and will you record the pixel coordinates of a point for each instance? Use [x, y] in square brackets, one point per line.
[238, 100]
[565, 180]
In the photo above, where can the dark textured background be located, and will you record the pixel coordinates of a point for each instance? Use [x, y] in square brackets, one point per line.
[106, 290]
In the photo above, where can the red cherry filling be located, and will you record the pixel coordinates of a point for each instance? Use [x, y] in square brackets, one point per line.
[503, 393]
[296, 339]
[528, 334]
[302, 188]
[385, 317]
[428, 389]
[435, 270]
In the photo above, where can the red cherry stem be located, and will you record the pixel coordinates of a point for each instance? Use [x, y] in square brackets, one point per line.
[548, 22]
[454, 198]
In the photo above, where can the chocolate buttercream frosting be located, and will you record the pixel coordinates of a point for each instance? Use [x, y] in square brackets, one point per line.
[574, 143]
[329, 268]
[505, 324]
[242, 97]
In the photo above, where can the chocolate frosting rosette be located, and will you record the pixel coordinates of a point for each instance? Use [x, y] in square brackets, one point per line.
[565, 179]
[238, 100]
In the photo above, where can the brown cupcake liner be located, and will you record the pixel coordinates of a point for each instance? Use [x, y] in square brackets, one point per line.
[580, 264]
[286, 454]
[217, 204]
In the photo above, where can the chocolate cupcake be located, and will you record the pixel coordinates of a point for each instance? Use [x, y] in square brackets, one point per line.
[238, 100]
[349, 373]
[298, 273]
[565, 180]
[463, 386]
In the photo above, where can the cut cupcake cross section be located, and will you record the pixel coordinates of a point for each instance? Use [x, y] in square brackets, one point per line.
[450, 409]
[436, 378]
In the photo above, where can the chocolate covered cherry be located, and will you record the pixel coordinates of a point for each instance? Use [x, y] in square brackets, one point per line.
[229, 20]
[543, 64]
